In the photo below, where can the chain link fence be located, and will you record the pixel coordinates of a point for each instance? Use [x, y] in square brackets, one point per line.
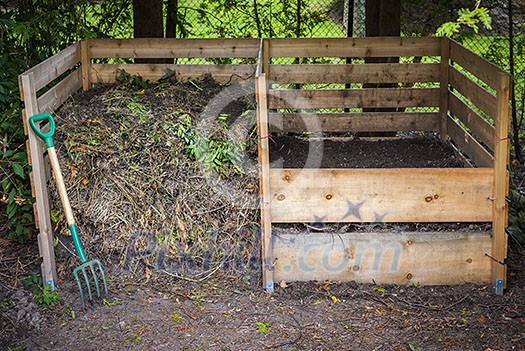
[341, 18]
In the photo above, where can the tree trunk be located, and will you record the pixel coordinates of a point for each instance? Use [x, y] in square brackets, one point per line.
[383, 18]
[172, 8]
[148, 23]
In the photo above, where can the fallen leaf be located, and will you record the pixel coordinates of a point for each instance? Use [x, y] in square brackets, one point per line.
[283, 284]
[334, 299]
[85, 181]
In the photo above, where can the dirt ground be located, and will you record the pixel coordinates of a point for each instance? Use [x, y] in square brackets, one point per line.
[225, 313]
[225, 309]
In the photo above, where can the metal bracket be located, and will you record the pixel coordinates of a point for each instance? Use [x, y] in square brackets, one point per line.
[498, 287]
[270, 287]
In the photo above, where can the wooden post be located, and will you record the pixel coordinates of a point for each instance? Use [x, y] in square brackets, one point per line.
[86, 64]
[261, 90]
[501, 148]
[42, 215]
[443, 87]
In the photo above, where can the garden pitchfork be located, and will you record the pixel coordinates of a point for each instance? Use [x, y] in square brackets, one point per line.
[87, 268]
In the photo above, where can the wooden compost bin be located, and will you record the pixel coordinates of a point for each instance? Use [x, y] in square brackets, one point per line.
[474, 117]
[470, 101]
[45, 87]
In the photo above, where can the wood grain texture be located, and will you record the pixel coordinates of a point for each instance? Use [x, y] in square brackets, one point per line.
[403, 258]
[354, 122]
[57, 95]
[354, 98]
[41, 206]
[264, 181]
[477, 124]
[107, 73]
[173, 48]
[474, 92]
[469, 146]
[381, 195]
[355, 73]
[475, 64]
[444, 87]
[501, 157]
[354, 47]
[48, 70]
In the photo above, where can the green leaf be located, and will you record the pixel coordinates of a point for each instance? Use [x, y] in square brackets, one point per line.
[18, 170]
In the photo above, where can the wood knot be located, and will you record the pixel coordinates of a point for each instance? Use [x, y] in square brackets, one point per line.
[409, 276]
[281, 197]
[328, 196]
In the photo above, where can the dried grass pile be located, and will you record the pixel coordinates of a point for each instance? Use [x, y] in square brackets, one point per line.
[163, 177]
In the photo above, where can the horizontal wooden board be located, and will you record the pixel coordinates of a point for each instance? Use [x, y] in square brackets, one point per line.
[474, 92]
[57, 95]
[50, 69]
[355, 73]
[354, 122]
[107, 73]
[381, 195]
[403, 258]
[477, 124]
[475, 64]
[170, 48]
[354, 47]
[468, 145]
[350, 98]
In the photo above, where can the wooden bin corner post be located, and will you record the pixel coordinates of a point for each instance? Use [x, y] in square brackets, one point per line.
[86, 64]
[261, 91]
[501, 149]
[443, 87]
[38, 179]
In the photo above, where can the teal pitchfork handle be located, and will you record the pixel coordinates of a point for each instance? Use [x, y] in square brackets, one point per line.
[48, 140]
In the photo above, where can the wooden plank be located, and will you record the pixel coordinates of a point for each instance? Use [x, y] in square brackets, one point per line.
[468, 145]
[354, 122]
[381, 195]
[264, 187]
[50, 69]
[500, 209]
[354, 98]
[57, 95]
[355, 73]
[477, 124]
[86, 64]
[472, 91]
[443, 87]
[354, 47]
[433, 258]
[172, 48]
[107, 73]
[42, 216]
[475, 64]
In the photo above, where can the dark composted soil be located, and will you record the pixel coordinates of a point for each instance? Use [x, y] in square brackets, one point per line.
[183, 265]
[418, 151]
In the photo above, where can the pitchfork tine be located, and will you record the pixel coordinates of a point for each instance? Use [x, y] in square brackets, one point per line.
[95, 280]
[87, 284]
[103, 277]
[75, 273]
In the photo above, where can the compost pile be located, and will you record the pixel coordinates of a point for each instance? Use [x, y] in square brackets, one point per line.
[162, 177]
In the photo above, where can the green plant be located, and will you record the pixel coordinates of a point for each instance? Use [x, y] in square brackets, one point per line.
[41, 295]
[134, 82]
[263, 327]
[377, 289]
[469, 18]
[216, 152]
